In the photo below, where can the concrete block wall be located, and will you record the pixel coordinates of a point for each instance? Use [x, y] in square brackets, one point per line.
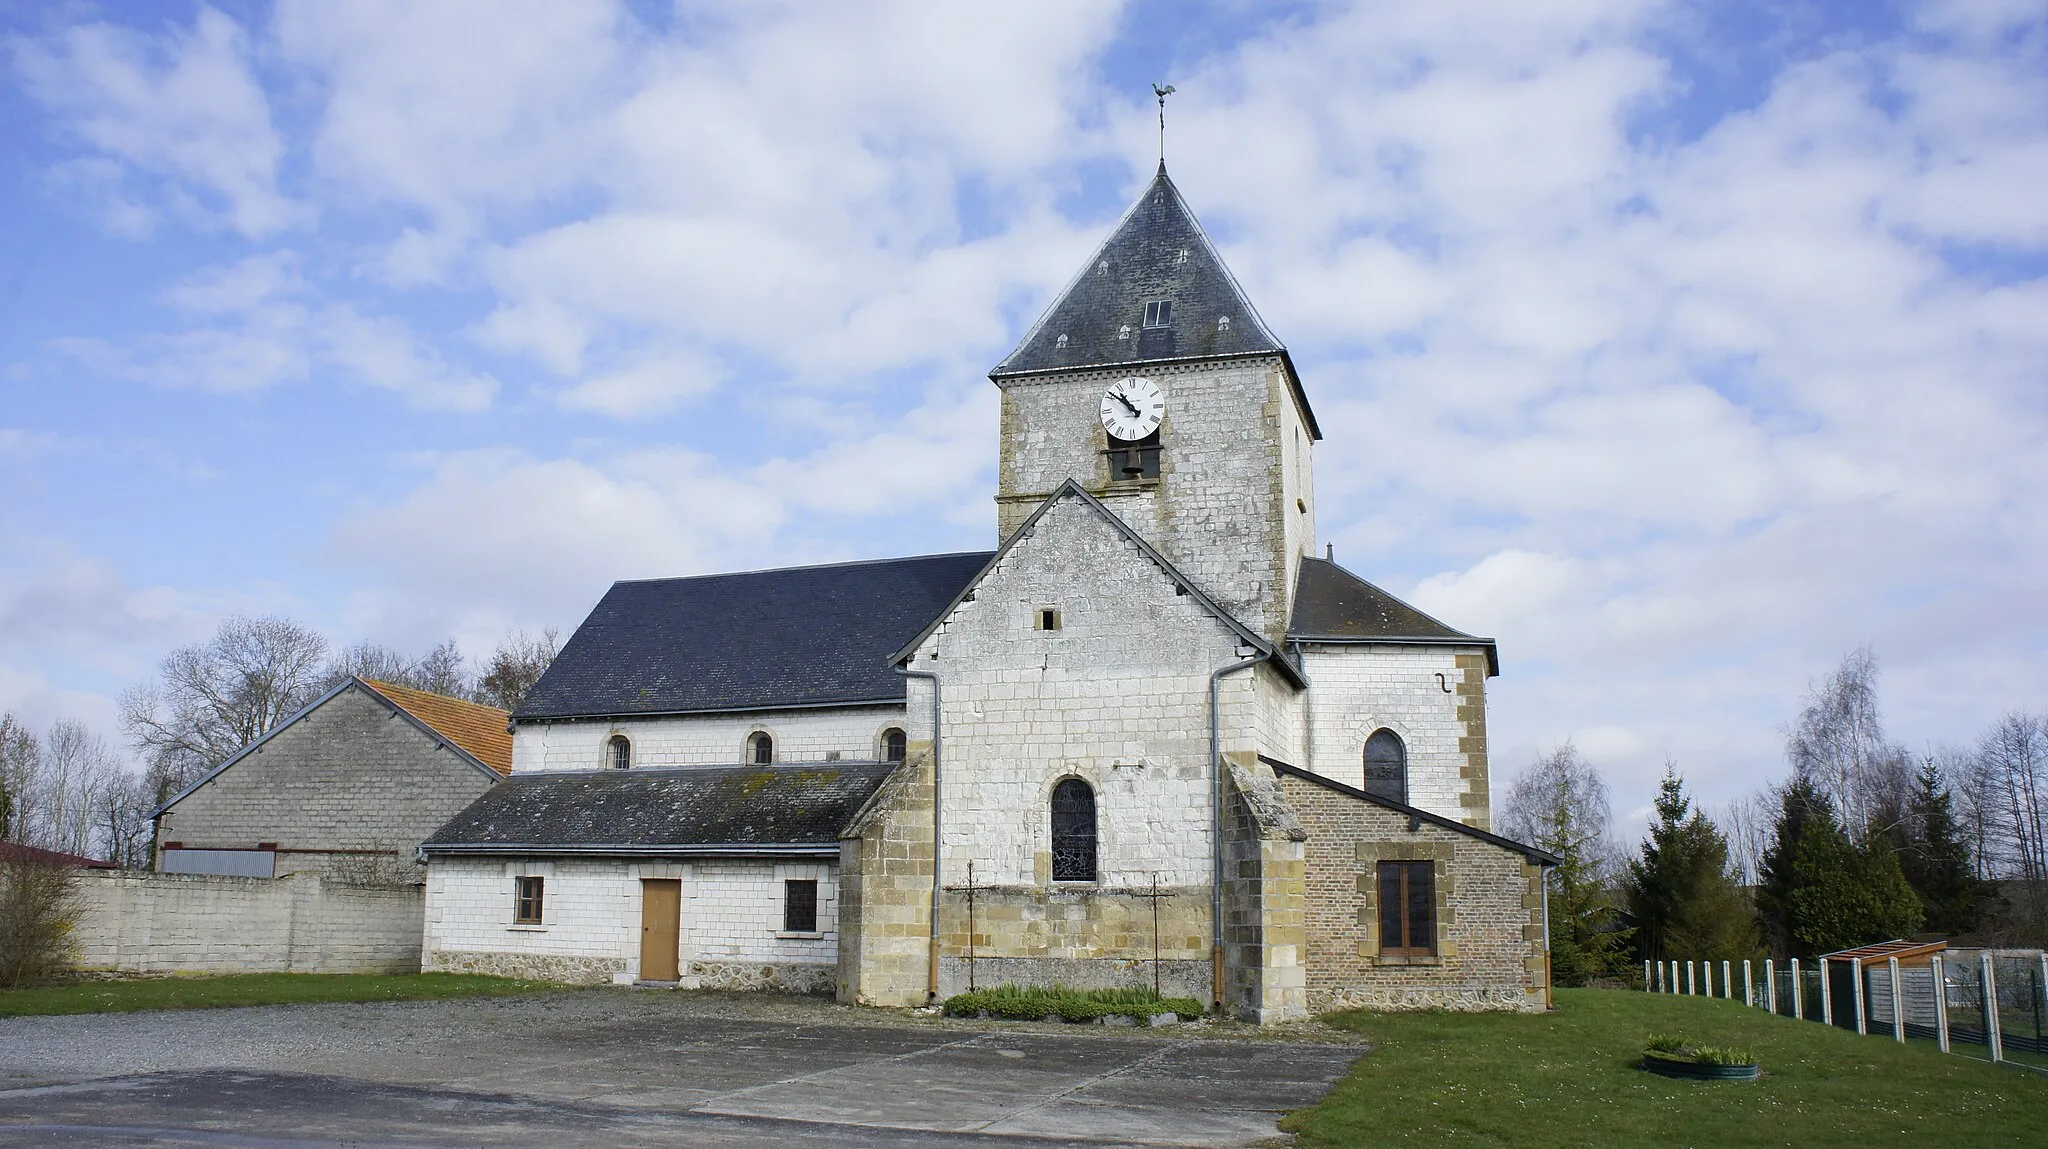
[730, 936]
[349, 776]
[1359, 689]
[1234, 505]
[135, 922]
[1490, 951]
[853, 733]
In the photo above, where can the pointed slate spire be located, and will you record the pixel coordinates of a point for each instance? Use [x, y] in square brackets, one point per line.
[1158, 253]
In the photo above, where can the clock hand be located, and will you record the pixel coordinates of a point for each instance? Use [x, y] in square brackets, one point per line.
[1128, 405]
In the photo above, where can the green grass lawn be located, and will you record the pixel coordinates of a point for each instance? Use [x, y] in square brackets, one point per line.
[1569, 1078]
[252, 989]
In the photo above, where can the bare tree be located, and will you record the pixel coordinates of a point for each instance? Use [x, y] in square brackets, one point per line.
[211, 699]
[78, 771]
[369, 660]
[1747, 822]
[1980, 805]
[1839, 744]
[21, 755]
[443, 670]
[515, 666]
[2014, 753]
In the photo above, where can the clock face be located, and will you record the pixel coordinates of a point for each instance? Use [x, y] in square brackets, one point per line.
[1132, 408]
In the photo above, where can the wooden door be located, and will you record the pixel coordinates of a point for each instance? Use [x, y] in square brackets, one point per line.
[661, 913]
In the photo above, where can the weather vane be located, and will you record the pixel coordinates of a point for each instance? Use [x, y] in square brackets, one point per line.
[1162, 93]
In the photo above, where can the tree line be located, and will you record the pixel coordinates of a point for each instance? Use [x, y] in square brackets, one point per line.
[67, 789]
[1860, 841]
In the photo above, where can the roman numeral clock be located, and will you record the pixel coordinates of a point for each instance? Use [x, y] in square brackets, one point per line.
[1132, 409]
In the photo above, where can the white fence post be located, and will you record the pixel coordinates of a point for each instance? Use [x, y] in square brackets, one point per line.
[1993, 1036]
[1862, 1013]
[1940, 1002]
[1798, 993]
[1660, 975]
[1674, 976]
[1727, 983]
[1748, 985]
[1646, 975]
[1770, 985]
[1827, 1000]
[1898, 1003]
[1692, 985]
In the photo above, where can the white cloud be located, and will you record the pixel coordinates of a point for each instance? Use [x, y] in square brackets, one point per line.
[184, 107]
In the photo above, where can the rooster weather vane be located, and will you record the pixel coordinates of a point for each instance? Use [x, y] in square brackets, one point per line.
[1162, 93]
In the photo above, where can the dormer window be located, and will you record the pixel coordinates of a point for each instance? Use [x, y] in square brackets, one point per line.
[1159, 313]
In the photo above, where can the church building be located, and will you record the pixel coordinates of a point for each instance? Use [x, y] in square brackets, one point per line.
[1152, 734]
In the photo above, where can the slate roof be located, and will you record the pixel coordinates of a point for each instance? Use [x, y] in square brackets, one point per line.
[479, 729]
[1414, 813]
[674, 810]
[1333, 605]
[1144, 263]
[757, 640]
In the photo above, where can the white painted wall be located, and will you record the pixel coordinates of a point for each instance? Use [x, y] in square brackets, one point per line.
[732, 910]
[854, 733]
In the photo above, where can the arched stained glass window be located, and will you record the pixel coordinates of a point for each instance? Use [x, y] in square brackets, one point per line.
[761, 749]
[1386, 766]
[621, 752]
[1073, 831]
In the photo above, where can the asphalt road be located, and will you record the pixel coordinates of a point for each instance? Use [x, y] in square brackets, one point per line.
[631, 1069]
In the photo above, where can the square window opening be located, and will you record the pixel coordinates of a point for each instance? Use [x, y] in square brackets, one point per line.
[528, 901]
[1159, 313]
[1048, 618]
[800, 906]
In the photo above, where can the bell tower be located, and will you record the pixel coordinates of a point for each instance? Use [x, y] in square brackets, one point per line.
[1153, 382]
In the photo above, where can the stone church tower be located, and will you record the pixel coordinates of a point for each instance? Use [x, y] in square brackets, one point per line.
[1219, 478]
[1151, 736]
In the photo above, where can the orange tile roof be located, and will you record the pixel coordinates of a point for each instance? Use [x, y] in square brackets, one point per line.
[481, 730]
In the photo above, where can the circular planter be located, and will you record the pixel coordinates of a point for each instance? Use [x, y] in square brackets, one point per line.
[1695, 1071]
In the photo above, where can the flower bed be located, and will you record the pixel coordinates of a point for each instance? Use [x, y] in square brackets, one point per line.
[1684, 1058]
[1058, 1003]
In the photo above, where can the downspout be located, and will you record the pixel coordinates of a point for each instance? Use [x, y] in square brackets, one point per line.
[931, 976]
[1308, 711]
[1216, 824]
[1549, 999]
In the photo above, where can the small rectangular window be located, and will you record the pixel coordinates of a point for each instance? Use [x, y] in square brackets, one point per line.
[800, 906]
[1158, 313]
[1048, 618]
[528, 908]
[1407, 909]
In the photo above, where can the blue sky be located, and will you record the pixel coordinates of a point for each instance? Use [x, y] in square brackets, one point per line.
[1682, 347]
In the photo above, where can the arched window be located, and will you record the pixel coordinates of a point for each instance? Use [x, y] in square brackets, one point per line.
[619, 752]
[1073, 831]
[761, 748]
[1386, 766]
[895, 744]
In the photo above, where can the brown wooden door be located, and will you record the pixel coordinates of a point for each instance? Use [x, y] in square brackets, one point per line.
[661, 913]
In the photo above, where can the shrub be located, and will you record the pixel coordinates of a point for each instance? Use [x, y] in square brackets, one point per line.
[1033, 1003]
[38, 910]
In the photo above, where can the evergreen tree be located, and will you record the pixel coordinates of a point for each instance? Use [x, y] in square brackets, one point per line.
[1822, 892]
[1936, 860]
[1560, 805]
[1685, 903]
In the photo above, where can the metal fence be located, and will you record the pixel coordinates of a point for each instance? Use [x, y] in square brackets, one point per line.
[1991, 1004]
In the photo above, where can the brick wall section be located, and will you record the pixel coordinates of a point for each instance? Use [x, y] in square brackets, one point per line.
[1360, 689]
[134, 922]
[349, 776]
[1234, 505]
[730, 935]
[853, 733]
[1489, 905]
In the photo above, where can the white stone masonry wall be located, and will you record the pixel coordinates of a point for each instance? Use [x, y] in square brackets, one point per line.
[1356, 690]
[135, 922]
[854, 733]
[1118, 695]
